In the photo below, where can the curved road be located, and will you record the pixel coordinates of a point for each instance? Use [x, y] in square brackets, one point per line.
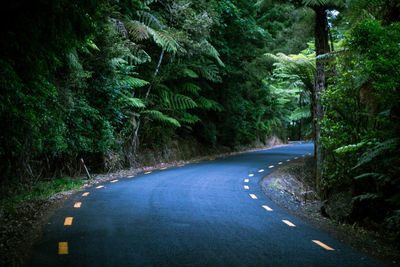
[212, 213]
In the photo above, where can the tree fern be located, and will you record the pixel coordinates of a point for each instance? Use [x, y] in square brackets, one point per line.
[210, 50]
[300, 113]
[189, 73]
[376, 151]
[159, 116]
[209, 104]
[210, 72]
[164, 40]
[131, 101]
[149, 20]
[181, 102]
[139, 57]
[191, 88]
[188, 118]
[137, 30]
[126, 81]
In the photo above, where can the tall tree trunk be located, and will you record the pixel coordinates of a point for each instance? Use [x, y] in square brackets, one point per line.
[135, 139]
[321, 47]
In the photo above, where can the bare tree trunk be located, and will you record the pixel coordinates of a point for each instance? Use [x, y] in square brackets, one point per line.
[135, 139]
[322, 47]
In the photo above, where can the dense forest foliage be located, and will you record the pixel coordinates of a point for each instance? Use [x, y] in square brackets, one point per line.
[105, 80]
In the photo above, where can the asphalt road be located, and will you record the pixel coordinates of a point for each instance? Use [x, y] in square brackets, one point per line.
[212, 213]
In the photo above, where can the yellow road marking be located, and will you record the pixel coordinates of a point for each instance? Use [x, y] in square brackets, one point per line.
[322, 245]
[114, 181]
[251, 175]
[100, 186]
[246, 187]
[85, 194]
[62, 248]
[68, 221]
[289, 223]
[77, 204]
[261, 170]
[288, 160]
[253, 196]
[271, 166]
[163, 168]
[130, 176]
[212, 158]
[147, 172]
[246, 180]
[280, 163]
[267, 208]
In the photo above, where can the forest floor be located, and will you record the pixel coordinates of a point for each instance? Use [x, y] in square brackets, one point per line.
[292, 188]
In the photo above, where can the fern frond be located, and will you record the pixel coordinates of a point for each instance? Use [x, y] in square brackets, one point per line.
[191, 88]
[209, 104]
[189, 118]
[149, 20]
[159, 116]
[189, 73]
[210, 72]
[140, 57]
[164, 40]
[370, 174]
[126, 81]
[376, 151]
[300, 113]
[350, 148]
[181, 102]
[119, 26]
[210, 50]
[137, 31]
[132, 101]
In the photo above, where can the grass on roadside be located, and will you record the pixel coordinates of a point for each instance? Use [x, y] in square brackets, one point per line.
[37, 192]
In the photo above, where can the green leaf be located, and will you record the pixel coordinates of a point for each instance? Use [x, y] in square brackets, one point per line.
[159, 116]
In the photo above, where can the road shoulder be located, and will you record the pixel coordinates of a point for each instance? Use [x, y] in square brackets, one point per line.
[292, 188]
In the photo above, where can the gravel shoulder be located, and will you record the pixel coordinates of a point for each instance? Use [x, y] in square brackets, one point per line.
[292, 188]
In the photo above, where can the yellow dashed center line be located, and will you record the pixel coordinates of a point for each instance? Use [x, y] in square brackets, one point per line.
[85, 194]
[68, 221]
[322, 245]
[261, 170]
[246, 180]
[100, 186]
[289, 223]
[280, 163]
[267, 208]
[246, 187]
[62, 248]
[163, 168]
[253, 196]
[251, 175]
[271, 166]
[147, 172]
[77, 204]
[212, 158]
[114, 181]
